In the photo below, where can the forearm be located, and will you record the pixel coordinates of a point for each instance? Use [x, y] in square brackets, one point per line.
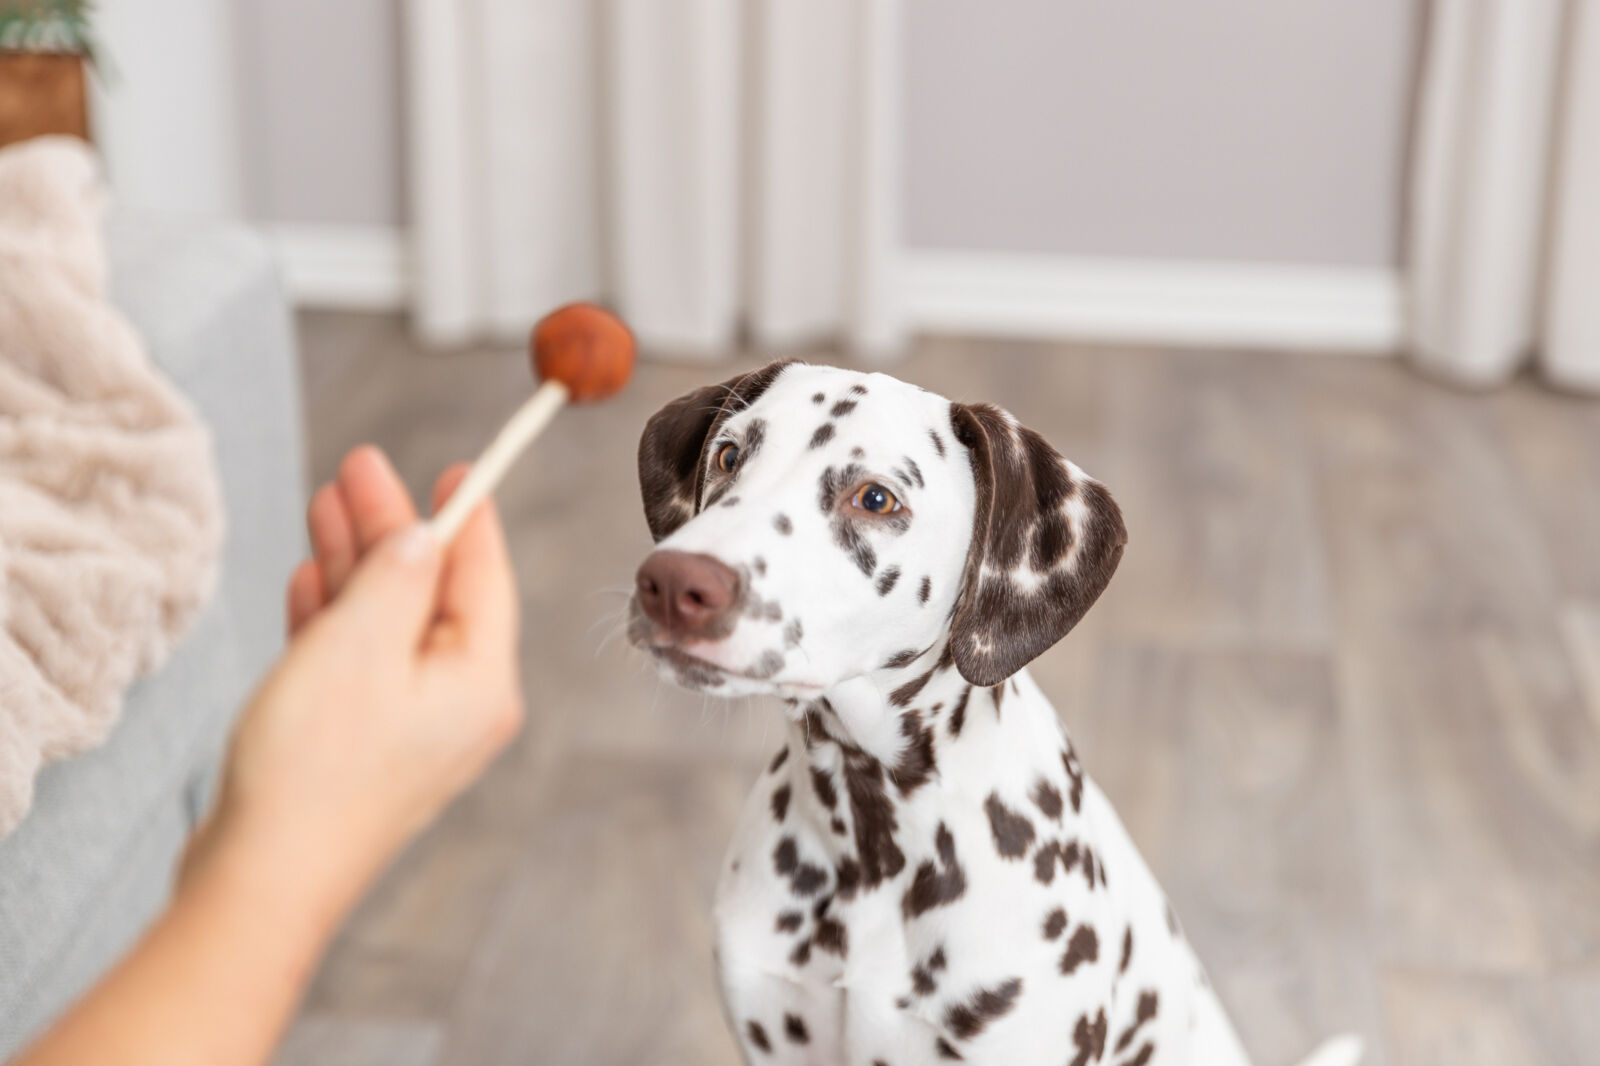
[217, 977]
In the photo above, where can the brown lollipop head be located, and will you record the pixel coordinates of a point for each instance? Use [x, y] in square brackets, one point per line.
[586, 348]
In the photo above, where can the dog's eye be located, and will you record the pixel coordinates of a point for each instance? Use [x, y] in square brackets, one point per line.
[875, 498]
[727, 457]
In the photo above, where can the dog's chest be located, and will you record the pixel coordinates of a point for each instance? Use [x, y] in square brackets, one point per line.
[987, 910]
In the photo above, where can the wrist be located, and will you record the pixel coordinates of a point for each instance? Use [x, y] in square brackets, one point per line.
[289, 881]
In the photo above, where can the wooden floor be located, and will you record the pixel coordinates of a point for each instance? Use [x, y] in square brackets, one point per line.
[1345, 691]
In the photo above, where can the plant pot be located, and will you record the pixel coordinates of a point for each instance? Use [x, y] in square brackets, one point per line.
[42, 92]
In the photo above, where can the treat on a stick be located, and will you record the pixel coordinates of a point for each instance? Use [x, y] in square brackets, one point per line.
[581, 353]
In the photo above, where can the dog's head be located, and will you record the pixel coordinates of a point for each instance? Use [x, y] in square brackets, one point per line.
[814, 525]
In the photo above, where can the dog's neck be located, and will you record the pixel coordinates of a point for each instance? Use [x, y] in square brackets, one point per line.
[880, 758]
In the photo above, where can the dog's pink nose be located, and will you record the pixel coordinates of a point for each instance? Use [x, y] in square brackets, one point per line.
[687, 595]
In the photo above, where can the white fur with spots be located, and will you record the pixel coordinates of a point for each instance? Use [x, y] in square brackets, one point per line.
[924, 874]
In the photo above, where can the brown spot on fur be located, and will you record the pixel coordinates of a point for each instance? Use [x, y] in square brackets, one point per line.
[936, 884]
[946, 1051]
[886, 581]
[777, 760]
[848, 536]
[938, 442]
[1069, 759]
[847, 878]
[808, 879]
[1054, 923]
[822, 785]
[831, 937]
[842, 408]
[1089, 1038]
[1013, 834]
[822, 436]
[801, 953]
[758, 1037]
[901, 659]
[922, 976]
[1082, 947]
[925, 590]
[872, 814]
[1146, 1011]
[794, 1027]
[1127, 950]
[804, 878]
[780, 803]
[902, 696]
[786, 857]
[1044, 862]
[916, 761]
[1047, 799]
[781, 523]
[1146, 1050]
[790, 921]
[970, 1018]
[958, 714]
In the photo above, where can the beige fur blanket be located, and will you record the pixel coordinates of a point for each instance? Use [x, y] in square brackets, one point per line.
[110, 511]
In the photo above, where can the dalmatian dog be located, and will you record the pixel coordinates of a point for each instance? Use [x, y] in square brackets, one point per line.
[924, 872]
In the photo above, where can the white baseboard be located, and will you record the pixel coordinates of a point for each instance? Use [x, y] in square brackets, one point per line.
[1185, 304]
[352, 267]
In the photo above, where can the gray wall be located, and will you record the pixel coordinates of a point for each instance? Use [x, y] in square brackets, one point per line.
[1227, 129]
[1224, 129]
[320, 96]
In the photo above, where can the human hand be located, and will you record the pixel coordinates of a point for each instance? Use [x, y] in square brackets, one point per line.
[399, 685]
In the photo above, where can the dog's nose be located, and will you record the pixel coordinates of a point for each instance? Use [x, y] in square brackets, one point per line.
[686, 595]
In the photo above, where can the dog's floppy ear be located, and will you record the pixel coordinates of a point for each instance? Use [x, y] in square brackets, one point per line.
[1046, 539]
[672, 447]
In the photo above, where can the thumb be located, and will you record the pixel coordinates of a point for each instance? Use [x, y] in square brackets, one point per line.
[394, 589]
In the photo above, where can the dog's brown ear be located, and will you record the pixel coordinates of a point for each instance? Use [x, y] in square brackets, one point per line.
[672, 447]
[1046, 539]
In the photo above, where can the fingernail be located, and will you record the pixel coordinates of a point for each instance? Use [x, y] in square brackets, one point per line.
[414, 544]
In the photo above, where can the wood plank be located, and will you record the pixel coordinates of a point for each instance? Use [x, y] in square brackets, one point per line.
[1580, 629]
[600, 952]
[1475, 767]
[1453, 1020]
[1553, 442]
[1226, 769]
[1209, 465]
[327, 1040]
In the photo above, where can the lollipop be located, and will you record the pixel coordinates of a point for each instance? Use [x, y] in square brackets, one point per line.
[581, 353]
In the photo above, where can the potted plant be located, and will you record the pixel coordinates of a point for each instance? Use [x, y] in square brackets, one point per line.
[45, 46]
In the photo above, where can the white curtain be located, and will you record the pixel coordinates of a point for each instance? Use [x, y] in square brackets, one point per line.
[1504, 242]
[709, 167]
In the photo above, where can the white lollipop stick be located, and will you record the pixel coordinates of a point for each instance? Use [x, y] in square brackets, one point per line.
[526, 424]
